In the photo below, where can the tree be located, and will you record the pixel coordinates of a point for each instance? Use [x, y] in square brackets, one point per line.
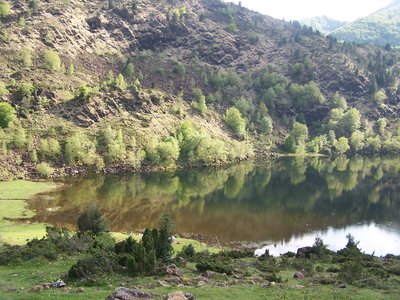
[7, 114]
[266, 125]
[380, 97]
[235, 121]
[130, 71]
[164, 248]
[295, 142]
[382, 123]
[92, 220]
[34, 6]
[342, 145]
[4, 9]
[339, 102]
[52, 60]
[263, 110]
[120, 82]
[357, 140]
[351, 120]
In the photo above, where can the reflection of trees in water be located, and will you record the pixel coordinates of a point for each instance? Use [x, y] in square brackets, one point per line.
[254, 200]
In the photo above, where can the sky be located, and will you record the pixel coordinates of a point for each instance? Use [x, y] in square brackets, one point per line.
[342, 10]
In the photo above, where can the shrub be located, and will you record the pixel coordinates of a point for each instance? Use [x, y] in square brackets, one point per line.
[19, 137]
[342, 145]
[235, 121]
[7, 114]
[266, 125]
[26, 58]
[84, 92]
[92, 220]
[5, 9]
[95, 263]
[3, 89]
[79, 149]
[52, 60]
[25, 91]
[163, 245]
[168, 151]
[34, 6]
[187, 252]
[49, 148]
[44, 170]
[295, 142]
[219, 266]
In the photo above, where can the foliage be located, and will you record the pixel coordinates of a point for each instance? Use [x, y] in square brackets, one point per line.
[49, 148]
[80, 149]
[266, 125]
[52, 60]
[92, 220]
[295, 142]
[5, 9]
[44, 170]
[342, 145]
[7, 114]
[164, 248]
[235, 121]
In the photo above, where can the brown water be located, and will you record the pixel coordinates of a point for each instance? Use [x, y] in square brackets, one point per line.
[285, 203]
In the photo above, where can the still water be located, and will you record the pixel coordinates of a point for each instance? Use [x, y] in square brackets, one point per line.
[283, 204]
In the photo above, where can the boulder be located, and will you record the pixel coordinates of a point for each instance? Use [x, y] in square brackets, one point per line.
[298, 275]
[59, 284]
[209, 274]
[123, 293]
[177, 295]
[201, 283]
[174, 271]
[304, 252]
[175, 280]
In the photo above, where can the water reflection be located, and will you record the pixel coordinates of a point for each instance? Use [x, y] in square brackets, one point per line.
[264, 201]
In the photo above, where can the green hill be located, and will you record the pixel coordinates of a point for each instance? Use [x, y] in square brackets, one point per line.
[323, 24]
[381, 27]
[127, 85]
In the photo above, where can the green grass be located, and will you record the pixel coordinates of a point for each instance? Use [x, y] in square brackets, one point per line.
[16, 282]
[23, 190]
[13, 206]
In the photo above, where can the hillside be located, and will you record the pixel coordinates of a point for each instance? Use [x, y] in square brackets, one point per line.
[381, 27]
[108, 86]
[323, 24]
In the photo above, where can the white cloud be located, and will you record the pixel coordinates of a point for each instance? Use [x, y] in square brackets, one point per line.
[344, 10]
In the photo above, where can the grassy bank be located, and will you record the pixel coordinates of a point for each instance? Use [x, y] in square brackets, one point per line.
[15, 227]
[21, 281]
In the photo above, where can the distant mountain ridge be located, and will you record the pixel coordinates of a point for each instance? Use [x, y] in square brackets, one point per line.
[323, 24]
[381, 27]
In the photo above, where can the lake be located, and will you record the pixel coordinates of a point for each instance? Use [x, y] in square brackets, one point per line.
[282, 204]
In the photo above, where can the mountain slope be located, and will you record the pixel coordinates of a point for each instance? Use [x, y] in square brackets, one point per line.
[323, 24]
[381, 27]
[123, 76]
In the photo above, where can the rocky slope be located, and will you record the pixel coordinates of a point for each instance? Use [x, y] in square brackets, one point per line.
[235, 56]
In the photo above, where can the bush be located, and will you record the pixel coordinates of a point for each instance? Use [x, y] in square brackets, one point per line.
[52, 60]
[187, 252]
[234, 119]
[266, 125]
[44, 170]
[212, 264]
[5, 9]
[79, 149]
[3, 89]
[7, 114]
[95, 263]
[92, 220]
[49, 148]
